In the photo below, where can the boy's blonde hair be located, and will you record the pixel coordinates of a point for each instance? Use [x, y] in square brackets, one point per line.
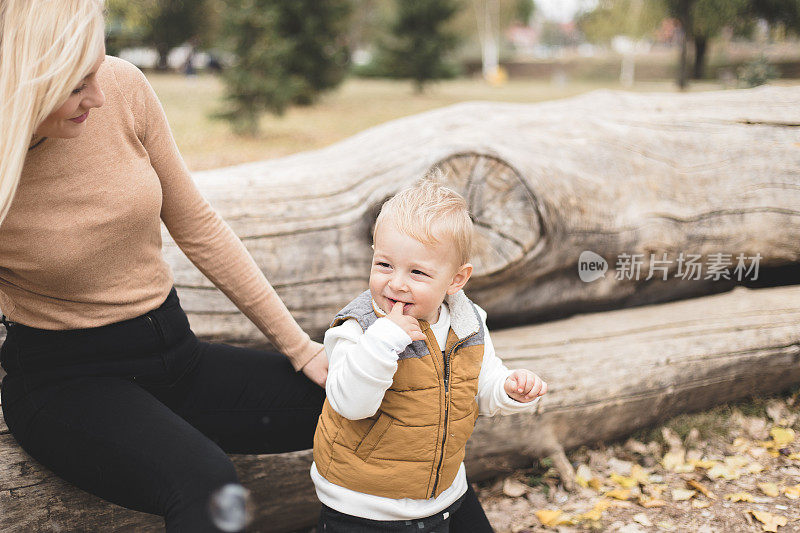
[431, 213]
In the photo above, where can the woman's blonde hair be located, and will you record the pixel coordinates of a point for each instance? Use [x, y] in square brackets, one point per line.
[46, 48]
[431, 213]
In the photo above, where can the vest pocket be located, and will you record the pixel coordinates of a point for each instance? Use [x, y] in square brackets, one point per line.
[373, 436]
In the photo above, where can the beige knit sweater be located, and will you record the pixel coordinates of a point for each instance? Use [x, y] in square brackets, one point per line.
[81, 246]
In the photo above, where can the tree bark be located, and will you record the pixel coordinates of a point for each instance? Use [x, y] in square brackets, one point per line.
[684, 12]
[609, 172]
[700, 46]
[608, 374]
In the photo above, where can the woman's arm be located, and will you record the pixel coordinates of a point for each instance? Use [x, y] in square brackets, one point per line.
[205, 238]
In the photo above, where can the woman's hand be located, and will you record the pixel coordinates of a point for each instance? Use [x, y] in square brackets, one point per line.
[317, 368]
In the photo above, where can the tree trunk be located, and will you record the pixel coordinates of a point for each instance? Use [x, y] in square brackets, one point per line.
[684, 9]
[608, 374]
[700, 48]
[613, 173]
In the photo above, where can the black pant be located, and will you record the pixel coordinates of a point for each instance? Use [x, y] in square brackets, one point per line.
[332, 521]
[141, 413]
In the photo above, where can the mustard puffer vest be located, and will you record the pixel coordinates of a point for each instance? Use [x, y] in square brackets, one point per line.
[413, 446]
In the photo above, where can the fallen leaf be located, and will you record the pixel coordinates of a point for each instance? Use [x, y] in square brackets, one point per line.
[795, 456]
[680, 495]
[548, 517]
[755, 468]
[666, 526]
[770, 521]
[648, 502]
[639, 475]
[702, 488]
[619, 494]
[641, 518]
[781, 436]
[703, 463]
[700, 504]
[736, 461]
[623, 481]
[740, 497]
[582, 475]
[792, 493]
[513, 488]
[597, 511]
[723, 471]
[770, 489]
[673, 458]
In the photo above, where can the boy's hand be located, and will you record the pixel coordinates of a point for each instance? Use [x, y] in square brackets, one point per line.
[409, 324]
[524, 386]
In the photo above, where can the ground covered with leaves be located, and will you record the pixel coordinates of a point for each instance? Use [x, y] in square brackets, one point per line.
[735, 468]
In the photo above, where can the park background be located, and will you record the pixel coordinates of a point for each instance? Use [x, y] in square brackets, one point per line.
[509, 51]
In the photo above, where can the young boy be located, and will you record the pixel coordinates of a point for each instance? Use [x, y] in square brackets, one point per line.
[411, 364]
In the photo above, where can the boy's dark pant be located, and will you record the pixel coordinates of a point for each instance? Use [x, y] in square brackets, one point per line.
[332, 521]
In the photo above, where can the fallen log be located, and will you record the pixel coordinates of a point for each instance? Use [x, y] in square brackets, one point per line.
[609, 172]
[609, 374]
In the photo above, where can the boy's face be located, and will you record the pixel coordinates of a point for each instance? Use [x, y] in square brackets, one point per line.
[419, 275]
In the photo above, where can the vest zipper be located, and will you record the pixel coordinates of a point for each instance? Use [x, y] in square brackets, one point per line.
[446, 408]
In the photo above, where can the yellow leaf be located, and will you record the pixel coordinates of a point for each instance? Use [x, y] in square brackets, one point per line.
[623, 481]
[795, 456]
[703, 463]
[770, 489]
[781, 436]
[548, 517]
[736, 461]
[701, 504]
[583, 475]
[619, 494]
[648, 502]
[673, 458]
[702, 488]
[770, 521]
[792, 493]
[740, 497]
[680, 495]
[597, 511]
[722, 471]
[639, 475]
[755, 468]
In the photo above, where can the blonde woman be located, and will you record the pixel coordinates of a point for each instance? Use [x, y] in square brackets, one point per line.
[106, 385]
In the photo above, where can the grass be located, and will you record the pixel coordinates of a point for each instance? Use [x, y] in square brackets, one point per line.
[356, 105]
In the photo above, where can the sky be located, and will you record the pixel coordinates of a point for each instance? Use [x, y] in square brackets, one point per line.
[561, 10]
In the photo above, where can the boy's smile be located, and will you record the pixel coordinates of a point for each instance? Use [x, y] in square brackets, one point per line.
[406, 270]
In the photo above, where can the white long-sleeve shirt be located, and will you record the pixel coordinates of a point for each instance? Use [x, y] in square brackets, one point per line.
[361, 368]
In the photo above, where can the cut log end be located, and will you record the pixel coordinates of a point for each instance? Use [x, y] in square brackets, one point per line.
[507, 218]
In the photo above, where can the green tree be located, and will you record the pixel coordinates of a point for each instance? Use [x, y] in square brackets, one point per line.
[163, 24]
[286, 53]
[633, 18]
[786, 12]
[524, 10]
[420, 42]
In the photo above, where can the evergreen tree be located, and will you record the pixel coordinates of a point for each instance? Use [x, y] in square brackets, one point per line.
[420, 42]
[286, 53]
